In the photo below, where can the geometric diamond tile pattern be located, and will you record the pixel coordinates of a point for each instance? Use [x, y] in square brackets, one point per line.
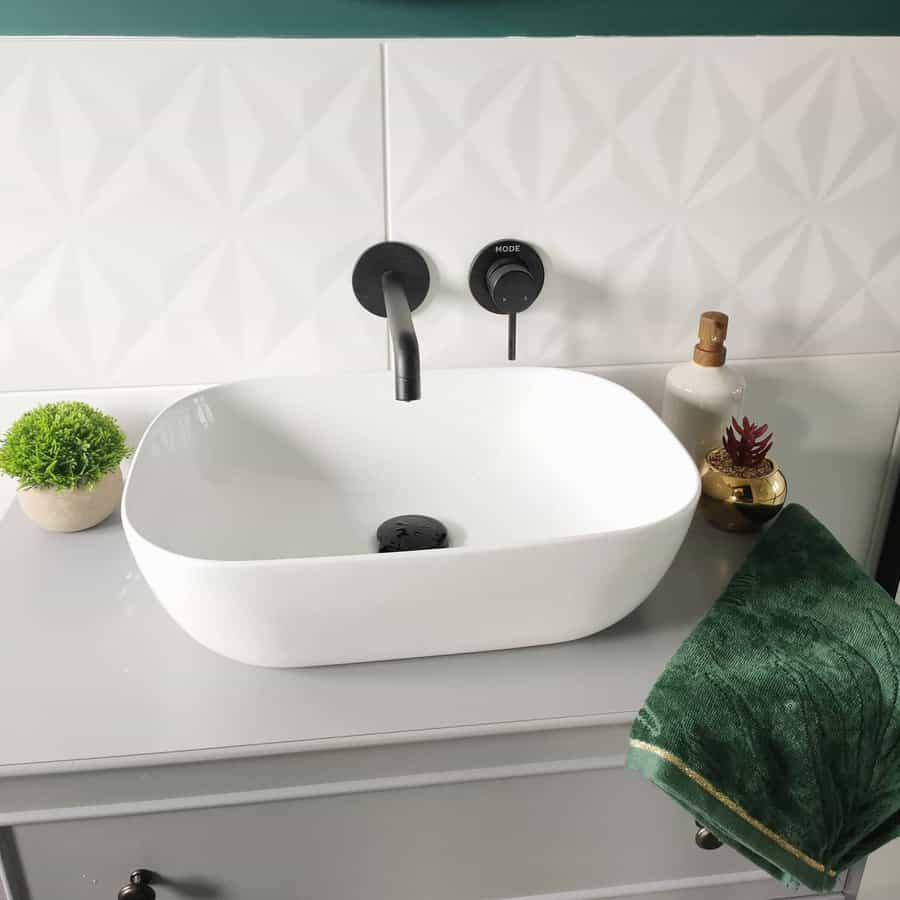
[177, 211]
[659, 177]
[189, 211]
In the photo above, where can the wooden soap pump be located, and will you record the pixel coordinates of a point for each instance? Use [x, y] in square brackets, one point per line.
[710, 349]
[701, 396]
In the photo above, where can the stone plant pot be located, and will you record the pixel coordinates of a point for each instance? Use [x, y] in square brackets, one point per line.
[75, 509]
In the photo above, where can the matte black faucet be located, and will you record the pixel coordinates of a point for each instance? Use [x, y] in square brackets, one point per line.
[407, 368]
[391, 280]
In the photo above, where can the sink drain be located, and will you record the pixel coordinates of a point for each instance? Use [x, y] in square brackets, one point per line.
[410, 533]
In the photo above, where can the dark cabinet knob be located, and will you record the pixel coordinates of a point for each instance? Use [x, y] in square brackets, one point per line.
[138, 887]
[705, 839]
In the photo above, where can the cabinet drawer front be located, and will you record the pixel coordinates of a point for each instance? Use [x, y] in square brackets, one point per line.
[515, 837]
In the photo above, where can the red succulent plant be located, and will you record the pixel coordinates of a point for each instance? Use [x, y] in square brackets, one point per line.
[746, 442]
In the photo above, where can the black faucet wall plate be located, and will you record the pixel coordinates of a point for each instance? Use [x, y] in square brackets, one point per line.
[406, 264]
[506, 276]
[390, 280]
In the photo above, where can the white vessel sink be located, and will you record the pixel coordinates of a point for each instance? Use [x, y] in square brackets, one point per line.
[251, 509]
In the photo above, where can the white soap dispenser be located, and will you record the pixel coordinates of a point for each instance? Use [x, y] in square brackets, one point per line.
[701, 396]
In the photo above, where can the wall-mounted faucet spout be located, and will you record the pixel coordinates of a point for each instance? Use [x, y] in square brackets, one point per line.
[391, 280]
[407, 369]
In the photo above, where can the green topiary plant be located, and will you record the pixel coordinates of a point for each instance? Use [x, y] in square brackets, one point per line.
[62, 446]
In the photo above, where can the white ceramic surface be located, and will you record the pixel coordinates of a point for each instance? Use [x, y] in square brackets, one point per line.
[251, 509]
[699, 404]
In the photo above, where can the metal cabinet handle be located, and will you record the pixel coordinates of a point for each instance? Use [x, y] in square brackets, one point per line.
[138, 887]
[705, 839]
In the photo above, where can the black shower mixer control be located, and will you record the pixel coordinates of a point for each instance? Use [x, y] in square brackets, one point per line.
[506, 278]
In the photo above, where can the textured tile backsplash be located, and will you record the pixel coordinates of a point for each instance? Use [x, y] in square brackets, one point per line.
[190, 210]
[660, 177]
[177, 210]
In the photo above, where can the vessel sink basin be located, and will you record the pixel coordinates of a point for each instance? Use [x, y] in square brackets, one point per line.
[252, 508]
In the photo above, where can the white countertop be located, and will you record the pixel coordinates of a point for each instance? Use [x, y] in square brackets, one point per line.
[93, 667]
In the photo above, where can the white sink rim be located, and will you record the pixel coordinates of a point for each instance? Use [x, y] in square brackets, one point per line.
[528, 568]
[372, 558]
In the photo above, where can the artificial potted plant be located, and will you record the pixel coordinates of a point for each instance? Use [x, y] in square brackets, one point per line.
[66, 459]
[741, 488]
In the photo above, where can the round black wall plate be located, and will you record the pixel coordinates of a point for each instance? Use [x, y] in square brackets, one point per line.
[391, 256]
[507, 248]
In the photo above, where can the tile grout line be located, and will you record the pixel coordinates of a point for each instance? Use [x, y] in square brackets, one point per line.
[385, 142]
[385, 171]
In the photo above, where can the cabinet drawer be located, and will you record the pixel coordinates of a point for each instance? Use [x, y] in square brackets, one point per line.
[514, 837]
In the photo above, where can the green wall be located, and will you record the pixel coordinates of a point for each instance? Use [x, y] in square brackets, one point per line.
[346, 18]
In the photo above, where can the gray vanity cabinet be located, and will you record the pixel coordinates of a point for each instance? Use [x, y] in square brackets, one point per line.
[590, 829]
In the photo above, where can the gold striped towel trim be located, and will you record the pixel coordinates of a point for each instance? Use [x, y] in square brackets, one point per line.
[727, 802]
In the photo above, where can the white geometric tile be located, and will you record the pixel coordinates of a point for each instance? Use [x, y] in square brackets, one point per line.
[659, 176]
[183, 211]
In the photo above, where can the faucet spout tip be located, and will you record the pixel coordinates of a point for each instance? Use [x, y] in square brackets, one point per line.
[406, 390]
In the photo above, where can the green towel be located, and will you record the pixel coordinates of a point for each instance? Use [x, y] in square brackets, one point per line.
[777, 722]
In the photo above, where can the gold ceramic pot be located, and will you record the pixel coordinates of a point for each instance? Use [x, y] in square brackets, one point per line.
[734, 502]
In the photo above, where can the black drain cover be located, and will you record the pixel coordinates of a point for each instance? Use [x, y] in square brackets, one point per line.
[411, 533]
